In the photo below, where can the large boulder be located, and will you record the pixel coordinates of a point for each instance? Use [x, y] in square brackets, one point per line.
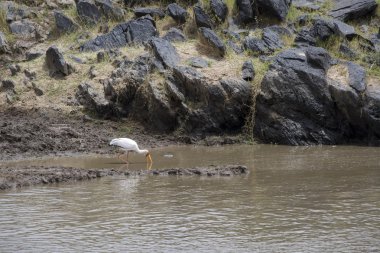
[154, 12]
[219, 9]
[165, 52]
[63, 23]
[88, 96]
[24, 28]
[247, 10]
[15, 11]
[88, 11]
[132, 32]
[174, 34]
[274, 8]
[202, 19]
[271, 40]
[56, 63]
[305, 100]
[352, 9]
[108, 9]
[178, 13]
[209, 38]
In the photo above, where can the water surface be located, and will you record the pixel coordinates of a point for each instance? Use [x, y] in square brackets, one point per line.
[295, 199]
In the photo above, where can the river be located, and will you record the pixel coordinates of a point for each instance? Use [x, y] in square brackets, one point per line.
[295, 199]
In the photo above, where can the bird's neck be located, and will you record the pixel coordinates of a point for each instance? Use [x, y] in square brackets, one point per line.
[142, 151]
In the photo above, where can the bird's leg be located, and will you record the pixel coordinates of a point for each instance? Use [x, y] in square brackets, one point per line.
[120, 158]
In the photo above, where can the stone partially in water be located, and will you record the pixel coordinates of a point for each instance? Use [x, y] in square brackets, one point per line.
[229, 170]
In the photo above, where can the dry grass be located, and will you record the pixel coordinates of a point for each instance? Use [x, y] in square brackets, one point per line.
[339, 73]
[229, 67]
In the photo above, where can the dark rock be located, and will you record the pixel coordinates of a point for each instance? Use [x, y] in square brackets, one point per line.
[344, 30]
[302, 20]
[198, 62]
[108, 9]
[304, 37]
[14, 68]
[352, 9]
[88, 11]
[100, 56]
[132, 32]
[56, 63]
[33, 54]
[294, 105]
[87, 96]
[24, 28]
[318, 57]
[7, 85]
[275, 8]
[271, 41]
[308, 5]
[15, 12]
[322, 29]
[30, 74]
[151, 106]
[209, 38]
[301, 103]
[247, 10]
[201, 17]
[238, 49]
[174, 35]
[64, 23]
[357, 76]
[178, 13]
[165, 52]
[219, 8]
[248, 71]
[347, 52]
[229, 170]
[37, 90]
[154, 12]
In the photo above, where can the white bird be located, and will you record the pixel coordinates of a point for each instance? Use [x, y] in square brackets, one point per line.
[130, 145]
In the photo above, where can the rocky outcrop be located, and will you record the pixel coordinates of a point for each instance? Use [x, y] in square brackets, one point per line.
[352, 9]
[219, 9]
[178, 13]
[303, 100]
[132, 32]
[88, 11]
[174, 35]
[202, 19]
[56, 63]
[274, 8]
[63, 23]
[209, 38]
[109, 10]
[271, 40]
[165, 52]
[89, 97]
[153, 12]
[247, 10]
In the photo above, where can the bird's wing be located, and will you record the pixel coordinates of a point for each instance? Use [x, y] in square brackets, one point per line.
[124, 143]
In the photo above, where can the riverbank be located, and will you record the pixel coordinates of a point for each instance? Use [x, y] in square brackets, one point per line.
[29, 133]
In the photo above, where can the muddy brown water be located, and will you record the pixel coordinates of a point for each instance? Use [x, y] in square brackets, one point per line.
[295, 199]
